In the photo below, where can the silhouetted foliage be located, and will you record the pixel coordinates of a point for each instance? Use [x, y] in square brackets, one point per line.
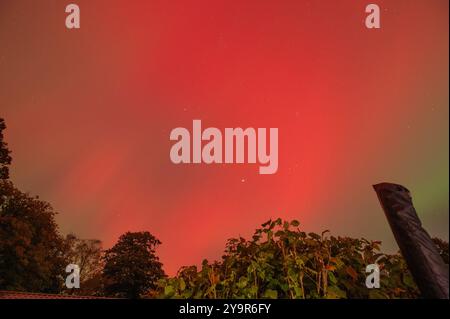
[281, 261]
[131, 266]
[87, 254]
[5, 158]
[31, 249]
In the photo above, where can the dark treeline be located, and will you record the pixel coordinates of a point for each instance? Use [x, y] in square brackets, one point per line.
[34, 255]
[280, 261]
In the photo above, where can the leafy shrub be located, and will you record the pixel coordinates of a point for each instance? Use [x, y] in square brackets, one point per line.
[281, 261]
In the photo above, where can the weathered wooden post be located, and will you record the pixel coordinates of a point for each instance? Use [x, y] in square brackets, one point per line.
[421, 254]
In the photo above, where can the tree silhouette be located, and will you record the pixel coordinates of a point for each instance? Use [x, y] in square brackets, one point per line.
[31, 248]
[5, 158]
[87, 254]
[131, 266]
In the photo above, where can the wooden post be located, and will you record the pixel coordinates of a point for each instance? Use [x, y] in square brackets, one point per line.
[422, 257]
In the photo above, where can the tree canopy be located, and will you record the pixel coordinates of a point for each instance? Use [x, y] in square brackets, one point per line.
[5, 158]
[132, 268]
[87, 255]
[31, 248]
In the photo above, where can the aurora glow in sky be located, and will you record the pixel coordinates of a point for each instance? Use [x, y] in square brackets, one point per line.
[89, 113]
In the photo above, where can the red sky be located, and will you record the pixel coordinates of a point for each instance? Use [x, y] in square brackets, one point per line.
[89, 114]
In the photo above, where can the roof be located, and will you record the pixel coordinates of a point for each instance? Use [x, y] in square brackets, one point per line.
[4, 294]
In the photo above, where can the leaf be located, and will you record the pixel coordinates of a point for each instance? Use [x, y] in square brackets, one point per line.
[332, 277]
[324, 232]
[187, 294]
[409, 281]
[334, 292]
[376, 294]
[256, 237]
[182, 284]
[351, 272]
[314, 236]
[298, 292]
[279, 233]
[271, 294]
[168, 291]
[262, 274]
[253, 291]
[295, 223]
[330, 267]
[267, 223]
[242, 282]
